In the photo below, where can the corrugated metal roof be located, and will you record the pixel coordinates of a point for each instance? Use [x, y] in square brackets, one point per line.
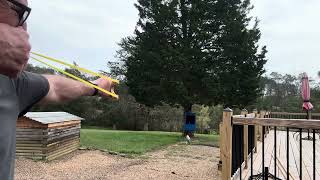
[52, 117]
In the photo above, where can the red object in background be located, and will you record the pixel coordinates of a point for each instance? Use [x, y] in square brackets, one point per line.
[305, 92]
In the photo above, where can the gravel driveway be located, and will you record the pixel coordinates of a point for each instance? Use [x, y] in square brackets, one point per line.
[175, 162]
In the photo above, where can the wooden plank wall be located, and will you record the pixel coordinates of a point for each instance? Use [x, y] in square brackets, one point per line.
[25, 123]
[46, 142]
[30, 143]
[62, 140]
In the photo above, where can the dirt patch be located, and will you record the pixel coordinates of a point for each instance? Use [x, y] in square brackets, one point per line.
[175, 162]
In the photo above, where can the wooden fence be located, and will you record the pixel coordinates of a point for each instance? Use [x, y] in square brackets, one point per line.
[240, 134]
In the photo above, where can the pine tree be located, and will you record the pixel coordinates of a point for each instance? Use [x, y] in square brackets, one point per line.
[187, 52]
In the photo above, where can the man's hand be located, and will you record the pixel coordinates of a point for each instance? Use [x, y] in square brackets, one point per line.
[105, 84]
[15, 49]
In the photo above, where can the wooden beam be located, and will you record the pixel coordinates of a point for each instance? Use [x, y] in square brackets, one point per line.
[226, 146]
[291, 123]
[251, 115]
[239, 115]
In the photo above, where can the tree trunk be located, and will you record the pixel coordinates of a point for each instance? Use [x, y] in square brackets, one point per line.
[146, 118]
[135, 120]
[146, 127]
[187, 108]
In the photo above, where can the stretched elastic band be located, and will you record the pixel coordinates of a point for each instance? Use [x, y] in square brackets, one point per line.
[77, 78]
[75, 67]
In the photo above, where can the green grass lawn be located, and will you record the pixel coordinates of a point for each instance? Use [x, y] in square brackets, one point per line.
[133, 142]
[207, 140]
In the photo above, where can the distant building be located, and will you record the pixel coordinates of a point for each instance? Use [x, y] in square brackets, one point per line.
[47, 135]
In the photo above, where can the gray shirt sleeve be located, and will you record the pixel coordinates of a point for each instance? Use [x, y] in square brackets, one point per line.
[31, 88]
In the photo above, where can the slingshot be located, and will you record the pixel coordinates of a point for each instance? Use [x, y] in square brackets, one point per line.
[73, 76]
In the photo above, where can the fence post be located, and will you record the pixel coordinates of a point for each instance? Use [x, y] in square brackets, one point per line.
[256, 128]
[226, 145]
[245, 140]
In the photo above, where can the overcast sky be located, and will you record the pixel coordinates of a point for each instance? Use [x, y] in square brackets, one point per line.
[88, 31]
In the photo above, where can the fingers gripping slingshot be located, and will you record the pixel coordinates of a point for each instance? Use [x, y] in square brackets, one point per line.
[112, 93]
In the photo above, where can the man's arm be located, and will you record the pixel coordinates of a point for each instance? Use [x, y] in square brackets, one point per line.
[64, 89]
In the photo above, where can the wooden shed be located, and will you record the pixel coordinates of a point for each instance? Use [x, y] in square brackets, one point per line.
[47, 135]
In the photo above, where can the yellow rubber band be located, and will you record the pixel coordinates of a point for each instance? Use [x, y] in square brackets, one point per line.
[75, 67]
[77, 78]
